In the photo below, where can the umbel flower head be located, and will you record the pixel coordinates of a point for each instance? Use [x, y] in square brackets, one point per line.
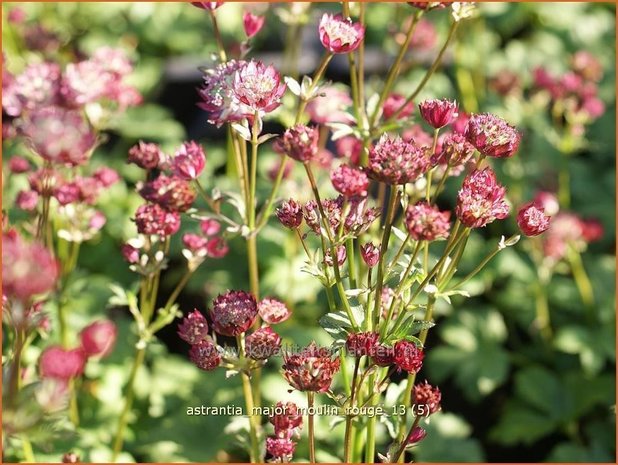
[98, 338]
[370, 254]
[280, 449]
[349, 181]
[426, 223]
[153, 219]
[194, 328]
[492, 136]
[62, 364]
[362, 344]
[339, 35]
[258, 86]
[290, 214]
[310, 370]
[532, 219]
[262, 344]
[233, 313]
[289, 421]
[299, 142]
[456, 150]
[205, 355]
[217, 93]
[146, 155]
[273, 311]
[427, 395]
[408, 357]
[438, 112]
[171, 192]
[396, 161]
[481, 199]
[189, 161]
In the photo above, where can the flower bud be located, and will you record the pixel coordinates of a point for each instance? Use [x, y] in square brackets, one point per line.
[98, 338]
[56, 362]
[194, 328]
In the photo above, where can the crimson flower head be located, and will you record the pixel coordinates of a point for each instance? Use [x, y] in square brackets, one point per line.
[438, 112]
[426, 223]
[349, 181]
[290, 214]
[299, 142]
[252, 23]
[393, 103]
[408, 357]
[341, 254]
[189, 161]
[207, 5]
[280, 449]
[171, 192]
[456, 150]
[362, 344]
[548, 202]
[480, 200]
[258, 86]
[98, 338]
[194, 328]
[62, 364]
[262, 344]
[312, 369]
[60, 136]
[151, 218]
[532, 219]
[217, 93]
[427, 395]
[27, 200]
[28, 269]
[370, 254]
[418, 434]
[18, 165]
[492, 136]
[396, 161]
[146, 155]
[339, 35]
[384, 355]
[210, 227]
[290, 420]
[205, 355]
[273, 311]
[233, 313]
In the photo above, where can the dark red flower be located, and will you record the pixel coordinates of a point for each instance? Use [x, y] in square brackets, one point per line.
[312, 369]
[194, 328]
[233, 313]
[408, 357]
[438, 112]
[205, 355]
[262, 343]
[532, 219]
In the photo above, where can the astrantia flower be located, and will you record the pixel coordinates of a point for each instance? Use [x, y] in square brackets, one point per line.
[106, 176]
[427, 395]
[153, 219]
[258, 86]
[273, 311]
[384, 355]
[438, 112]
[98, 338]
[332, 105]
[217, 93]
[290, 421]
[426, 223]
[28, 269]
[130, 253]
[492, 136]
[340, 35]
[532, 219]
[233, 313]
[27, 200]
[262, 343]
[548, 202]
[62, 364]
[205, 355]
[146, 155]
[341, 253]
[370, 254]
[171, 192]
[299, 142]
[362, 344]
[418, 434]
[290, 214]
[18, 165]
[194, 328]
[217, 247]
[189, 161]
[280, 449]
[210, 227]
[456, 151]
[36, 87]
[480, 200]
[395, 161]
[312, 369]
[60, 136]
[349, 181]
[408, 357]
[392, 105]
[252, 23]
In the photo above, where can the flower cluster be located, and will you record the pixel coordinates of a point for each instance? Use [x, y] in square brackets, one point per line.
[312, 369]
[396, 161]
[481, 199]
[287, 422]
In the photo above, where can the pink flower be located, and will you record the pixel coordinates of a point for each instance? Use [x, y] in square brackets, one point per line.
[262, 343]
[273, 311]
[299, 142]
[532, 220]
[456, 151]
[130, 253]
[205, 355]
[427, 395]
[492, 136]
[332, 105]
[150, 218]
[340, 35]
[418, 434]
[587, 65]
[194, 242]
[408, 357]
[362, 344]
[349, 181]
[312, 369]
[106, 176]
[16, 16]
[259, 87]
[98, 338]
[592, 230]
[289, 421]
[217, 93]
[18, 165]
[392, 105]
[189, 161]
[460, 123]
[395, 161]
[252, 23]
[438, 113]
[63, 364]
[280, 449]
[370, 254]
[68, 193]
[481, 201]
[548, 202]
[290, 214]
[60, 136]
[171, 192]
[27, 200]
[341, 253]
[36, 87]
[233, 313]
[210, 227]
[207, 5]
[28, 269]
[146, 155]
[194, 328]
[217, 247]
[426, 223]
[349, 147]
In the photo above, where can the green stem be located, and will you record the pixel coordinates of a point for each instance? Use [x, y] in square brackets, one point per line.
[543, 318]
[348, 421]
[249, 403]
[311, 426]
[582, 280]
[404, 443]
[441, 183]
[26, 447]
[218, 38]
[349, 244]
[316, 77]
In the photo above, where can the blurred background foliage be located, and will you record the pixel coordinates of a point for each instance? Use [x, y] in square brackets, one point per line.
[508, 395]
